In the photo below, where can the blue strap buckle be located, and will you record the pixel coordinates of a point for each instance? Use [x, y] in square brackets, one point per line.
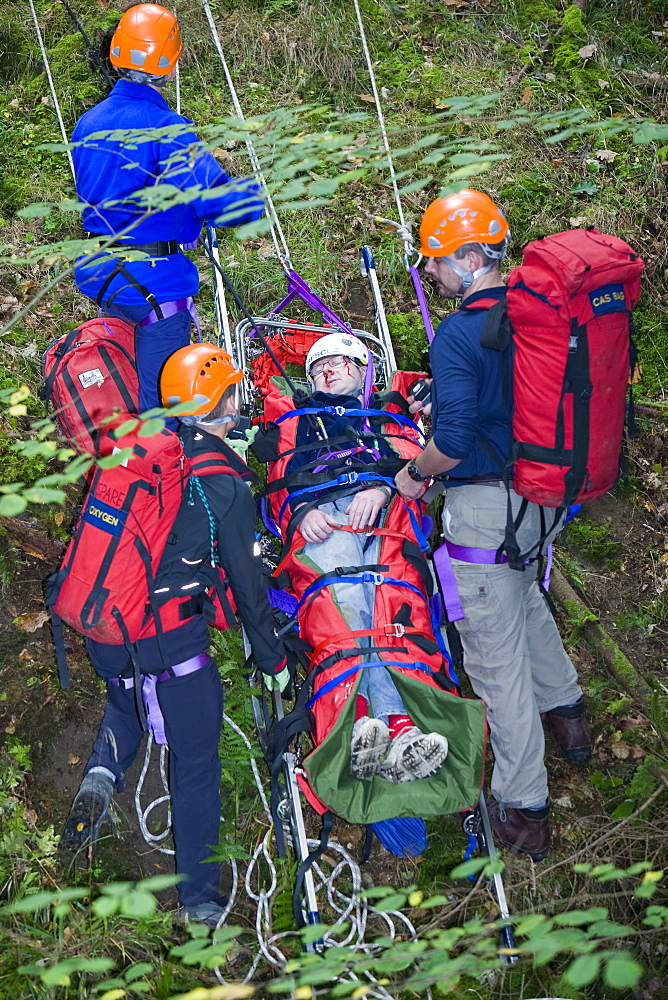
[347, 478]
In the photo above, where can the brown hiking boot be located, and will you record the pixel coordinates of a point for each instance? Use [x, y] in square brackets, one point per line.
[569, 729]
[526, 831]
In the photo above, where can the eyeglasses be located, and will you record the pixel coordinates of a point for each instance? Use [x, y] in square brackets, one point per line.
[337, 361]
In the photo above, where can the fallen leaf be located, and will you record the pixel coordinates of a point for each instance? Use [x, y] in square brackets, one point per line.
[25, 655]
[59, 518]
[30, 816]
[621, 751]
[564, 802]
[30, 621]
[73, 759]
[369, 98]
[14, 103]
[603, 83]
[11, 725]
[587, 51]
[527, 94]
[607, 155]
[47, 100]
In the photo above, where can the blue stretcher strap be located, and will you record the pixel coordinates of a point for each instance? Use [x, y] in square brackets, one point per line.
[341, 411]
[375, 578]
[345, 479]
[282, 600]
[340, 678]
[417, 530]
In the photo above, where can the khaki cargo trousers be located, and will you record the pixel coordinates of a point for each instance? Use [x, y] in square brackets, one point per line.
[513, 654]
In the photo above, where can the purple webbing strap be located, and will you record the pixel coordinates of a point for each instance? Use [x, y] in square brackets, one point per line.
[154, 716]
[548, 568]
[171, 309]
[298, 287]
[422, 302]
[469, 554]
[446, 577]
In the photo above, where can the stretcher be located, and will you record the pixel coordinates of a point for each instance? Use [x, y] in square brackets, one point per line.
[308, 748]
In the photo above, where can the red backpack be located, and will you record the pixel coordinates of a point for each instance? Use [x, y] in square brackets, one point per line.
[105, 588]
[568, 352]
[89, 375]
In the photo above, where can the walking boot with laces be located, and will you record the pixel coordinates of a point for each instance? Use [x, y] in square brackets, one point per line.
[525, 831]
[568, 727]
[88, 813]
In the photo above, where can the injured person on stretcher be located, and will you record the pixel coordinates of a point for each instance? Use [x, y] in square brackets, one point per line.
[337, 524]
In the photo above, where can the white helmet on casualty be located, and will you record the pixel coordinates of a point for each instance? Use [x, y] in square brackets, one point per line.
[333, 345]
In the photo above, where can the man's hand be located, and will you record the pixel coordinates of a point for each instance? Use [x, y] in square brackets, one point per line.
[415, 406]
[315, 526]
[365, 508]
[407, 487]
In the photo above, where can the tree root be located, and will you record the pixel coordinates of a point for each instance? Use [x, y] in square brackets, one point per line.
[615, 660]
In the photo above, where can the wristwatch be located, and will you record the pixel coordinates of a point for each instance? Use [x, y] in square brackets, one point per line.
[415, 473]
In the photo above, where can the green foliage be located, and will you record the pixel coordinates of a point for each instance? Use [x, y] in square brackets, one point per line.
[594, 541]
[409, 340]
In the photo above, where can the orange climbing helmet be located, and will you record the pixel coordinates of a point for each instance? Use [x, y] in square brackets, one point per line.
[198, 373]
[148, 39]
[466, 217]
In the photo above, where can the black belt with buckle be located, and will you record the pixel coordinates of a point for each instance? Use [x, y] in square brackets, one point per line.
[161, 248]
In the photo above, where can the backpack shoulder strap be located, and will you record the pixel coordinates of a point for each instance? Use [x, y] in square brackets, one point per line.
[496, 331]
[208, 463]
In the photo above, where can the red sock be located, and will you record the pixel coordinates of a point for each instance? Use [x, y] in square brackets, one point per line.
[361, 707]
[397, 724]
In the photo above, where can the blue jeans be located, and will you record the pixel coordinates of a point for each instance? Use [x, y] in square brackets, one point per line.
[356, 602]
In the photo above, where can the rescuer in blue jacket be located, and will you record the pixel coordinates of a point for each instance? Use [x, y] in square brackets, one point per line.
[155, 292]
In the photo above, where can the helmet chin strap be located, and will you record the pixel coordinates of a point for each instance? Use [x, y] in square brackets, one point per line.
[228, 418]
[467, 277]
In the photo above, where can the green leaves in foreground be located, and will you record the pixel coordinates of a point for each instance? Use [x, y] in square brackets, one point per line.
[585, 939]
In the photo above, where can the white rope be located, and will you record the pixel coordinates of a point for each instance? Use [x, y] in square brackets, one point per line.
[381, 118]
[54, 96]
[277, 233]
[337, 888]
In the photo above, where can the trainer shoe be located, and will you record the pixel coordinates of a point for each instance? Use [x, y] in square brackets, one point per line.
[525, 831]
[414, 755]
[88, 813]
[369, 744]
[209, 912]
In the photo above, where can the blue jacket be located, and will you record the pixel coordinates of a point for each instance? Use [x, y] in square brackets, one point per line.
[467, 391]
[110, 170]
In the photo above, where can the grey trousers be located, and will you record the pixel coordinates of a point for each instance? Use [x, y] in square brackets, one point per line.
[513, 654]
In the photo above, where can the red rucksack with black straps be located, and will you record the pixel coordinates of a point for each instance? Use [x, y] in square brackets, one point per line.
[565, 330]
[90, 374]
[105, 588]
